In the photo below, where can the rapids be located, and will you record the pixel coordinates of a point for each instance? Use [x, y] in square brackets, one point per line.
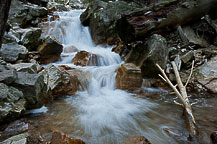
[102, 114]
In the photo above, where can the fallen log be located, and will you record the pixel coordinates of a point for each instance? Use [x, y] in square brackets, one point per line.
[183, 97]
[151, 20]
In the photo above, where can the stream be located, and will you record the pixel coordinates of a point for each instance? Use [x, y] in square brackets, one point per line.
[103, 114]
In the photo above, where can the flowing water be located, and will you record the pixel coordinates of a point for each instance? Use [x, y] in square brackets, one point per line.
[102, 114]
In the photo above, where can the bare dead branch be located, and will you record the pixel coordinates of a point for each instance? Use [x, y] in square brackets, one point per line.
[192, 68]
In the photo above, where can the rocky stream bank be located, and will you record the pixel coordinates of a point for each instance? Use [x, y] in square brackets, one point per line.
[30, 79]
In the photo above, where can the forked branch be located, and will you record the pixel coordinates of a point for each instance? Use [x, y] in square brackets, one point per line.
[182, 95]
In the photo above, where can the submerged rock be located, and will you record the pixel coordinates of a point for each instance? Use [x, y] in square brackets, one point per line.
[60, 81]
[34, 88]
[50, 50]
[61, 138]
[12, 103]
[84, 58]
[207, 75]
[136, 140]
[12, 52]
[128, 77]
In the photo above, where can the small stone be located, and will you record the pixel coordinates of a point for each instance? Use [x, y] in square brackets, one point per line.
[61, 138]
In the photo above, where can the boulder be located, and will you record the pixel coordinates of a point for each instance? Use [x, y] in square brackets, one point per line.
[25, 67]
[60, 81]
[21, 14]
[102, 17]
[129, 77]
[8, 76]
[214, 137]
[61, 138]
[83, 76]
[207, 75]
[156, 53]
[30, 37]
[12, 52]
[17, 139]
[58, 6]
[50, 50]
[147, 55]
[84, 58]
[136, 140]
[34, 88]
[12, 103]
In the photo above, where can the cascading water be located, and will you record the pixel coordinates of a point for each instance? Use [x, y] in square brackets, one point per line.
[101, 114]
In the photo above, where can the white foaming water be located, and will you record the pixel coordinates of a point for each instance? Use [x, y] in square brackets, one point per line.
[103, 114]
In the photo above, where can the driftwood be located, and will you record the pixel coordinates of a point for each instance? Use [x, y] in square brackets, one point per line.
[152, 20]
[183, 97]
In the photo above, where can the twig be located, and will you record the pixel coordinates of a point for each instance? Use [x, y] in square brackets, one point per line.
[192, 67]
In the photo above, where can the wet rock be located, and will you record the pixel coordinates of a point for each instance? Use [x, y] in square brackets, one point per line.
[50, 50]
[22, 14]
[136, 140]
[60, 81]
[34, 88]
[12, 103]
[214, 137]
[61, 138]
[17, 139]
[70, 49]
[15, 128]
[207, 75]
[102, 18]
[83, 76]
[13, 52]
[8, 76]
[25, 67]
[84, 58]
[128, 77]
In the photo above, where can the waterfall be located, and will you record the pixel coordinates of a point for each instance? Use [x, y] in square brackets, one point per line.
[103, 114]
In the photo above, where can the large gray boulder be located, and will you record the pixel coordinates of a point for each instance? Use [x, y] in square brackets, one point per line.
[8, 76]
[29, 37]
[102, 18]
[207, 75]
[156, 53]
[23, 13]
[12, 103]
[147, 54]
[34, 88]
[12, 52]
